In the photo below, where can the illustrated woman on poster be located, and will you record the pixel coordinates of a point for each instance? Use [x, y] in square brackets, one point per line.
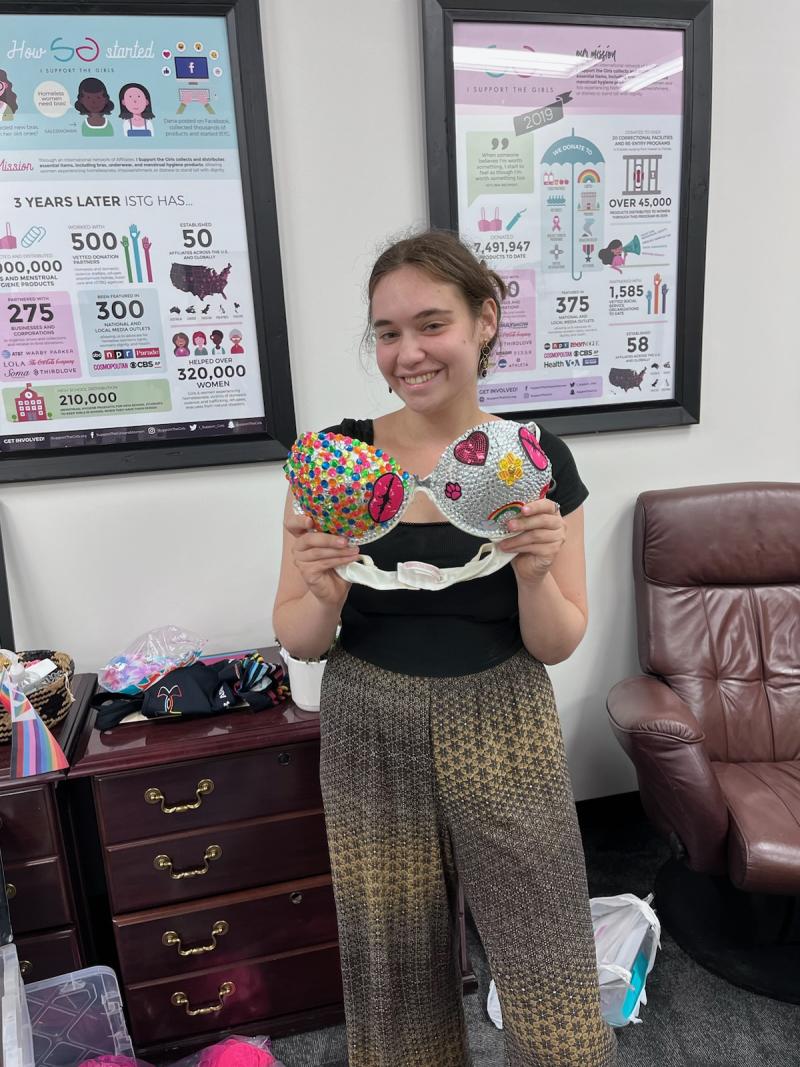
[94, 104]
[180, 343]
[613, 256]
[236, 343]
[199, 342]
[217, 336]
[8, 98]
[135, 110]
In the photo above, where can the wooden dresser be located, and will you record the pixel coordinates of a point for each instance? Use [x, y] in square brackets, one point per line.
[210, 852]
[204, 856]
[36, 858]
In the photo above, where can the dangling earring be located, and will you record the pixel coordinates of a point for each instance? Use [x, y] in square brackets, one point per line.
[390, 388]
[483, 359]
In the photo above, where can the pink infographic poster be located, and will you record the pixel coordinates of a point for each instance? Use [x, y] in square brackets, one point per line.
[126, 300]
[568, 149]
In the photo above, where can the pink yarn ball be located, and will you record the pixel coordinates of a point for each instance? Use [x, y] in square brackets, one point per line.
[235, 1053]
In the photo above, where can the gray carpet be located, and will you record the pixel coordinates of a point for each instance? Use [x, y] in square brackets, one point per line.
[691, 1018]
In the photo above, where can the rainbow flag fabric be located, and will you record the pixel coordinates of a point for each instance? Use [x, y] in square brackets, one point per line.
[34, 750]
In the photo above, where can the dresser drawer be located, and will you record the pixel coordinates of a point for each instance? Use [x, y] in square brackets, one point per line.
[221, 859]
[239, 926]
[185, 796]
[48, 955]
[38, 895]
[259, 989]
[27, 830]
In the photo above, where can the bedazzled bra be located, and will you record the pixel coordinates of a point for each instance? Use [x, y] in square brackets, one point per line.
[481, 480]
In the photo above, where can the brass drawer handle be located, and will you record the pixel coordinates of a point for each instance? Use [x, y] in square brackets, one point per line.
[171, 939]
[180, 1000]
[11, 890]
[25, 968]
[155, 796]
[164, 863]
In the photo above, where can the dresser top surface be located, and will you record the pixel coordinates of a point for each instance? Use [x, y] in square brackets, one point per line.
[148, 744]
[66, 733]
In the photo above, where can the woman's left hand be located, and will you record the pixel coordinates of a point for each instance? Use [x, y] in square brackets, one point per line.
[538, 536]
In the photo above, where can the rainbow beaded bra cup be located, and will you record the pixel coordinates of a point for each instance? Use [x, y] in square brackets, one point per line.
[481, 480]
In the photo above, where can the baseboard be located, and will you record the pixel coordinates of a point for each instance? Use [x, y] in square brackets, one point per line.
[609, 809]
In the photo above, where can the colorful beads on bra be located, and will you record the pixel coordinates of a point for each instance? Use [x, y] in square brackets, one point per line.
[349, 488]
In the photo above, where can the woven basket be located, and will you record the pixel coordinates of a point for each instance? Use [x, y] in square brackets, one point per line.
[52, 697]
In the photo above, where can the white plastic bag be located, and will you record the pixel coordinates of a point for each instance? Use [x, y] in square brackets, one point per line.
[627, 935]
[493, 1006]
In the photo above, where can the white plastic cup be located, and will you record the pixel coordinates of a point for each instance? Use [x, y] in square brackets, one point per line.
[305, 680]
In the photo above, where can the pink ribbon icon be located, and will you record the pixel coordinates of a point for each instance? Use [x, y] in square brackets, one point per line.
[556, 223]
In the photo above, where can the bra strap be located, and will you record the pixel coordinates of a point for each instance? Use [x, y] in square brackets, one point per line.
[417, 575]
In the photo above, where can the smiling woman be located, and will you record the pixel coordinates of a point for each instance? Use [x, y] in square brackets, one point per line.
[441, 681]
[463, 312]
[433, 343]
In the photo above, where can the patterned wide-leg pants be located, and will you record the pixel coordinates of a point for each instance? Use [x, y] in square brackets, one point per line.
[426, 780]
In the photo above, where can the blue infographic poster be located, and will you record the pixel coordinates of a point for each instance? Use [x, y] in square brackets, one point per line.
[126, 303]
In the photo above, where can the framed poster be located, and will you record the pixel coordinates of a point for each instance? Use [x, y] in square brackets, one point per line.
[142, 319]
[6, 621]
[568, 144]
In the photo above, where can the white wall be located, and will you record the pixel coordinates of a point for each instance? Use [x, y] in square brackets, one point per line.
[94, 562]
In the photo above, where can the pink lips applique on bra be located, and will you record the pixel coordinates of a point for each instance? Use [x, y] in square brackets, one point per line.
[532, 448]
[387, 497]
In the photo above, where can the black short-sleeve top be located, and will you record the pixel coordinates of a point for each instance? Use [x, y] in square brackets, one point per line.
[464, 628]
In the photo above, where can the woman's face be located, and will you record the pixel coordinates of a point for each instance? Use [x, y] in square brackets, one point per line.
[134, 100]
[94, 102]
[427, 341]
[181, 340]
[199, 338]
[216, 337]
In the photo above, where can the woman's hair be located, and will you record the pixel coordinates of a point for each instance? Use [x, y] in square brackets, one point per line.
[124, 113]
[445, 257]
[92, 85]
[606, 255]
[8, 96]
[196, 334]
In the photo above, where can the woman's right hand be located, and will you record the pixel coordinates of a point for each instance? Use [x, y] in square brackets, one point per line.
[316, 555]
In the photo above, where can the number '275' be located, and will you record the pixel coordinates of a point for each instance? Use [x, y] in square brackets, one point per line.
[45, 312]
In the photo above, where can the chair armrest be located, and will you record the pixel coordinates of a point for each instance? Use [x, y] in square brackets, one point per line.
[677, 784]
[645, 703]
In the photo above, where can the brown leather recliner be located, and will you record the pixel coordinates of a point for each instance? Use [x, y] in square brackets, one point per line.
[713, 727]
